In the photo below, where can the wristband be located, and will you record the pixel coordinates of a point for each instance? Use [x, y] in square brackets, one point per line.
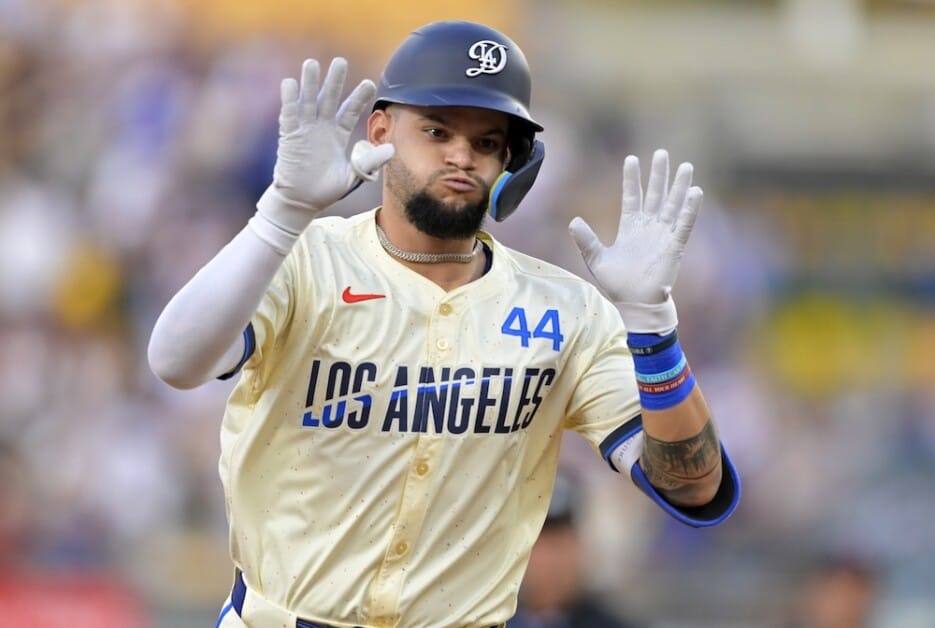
[663, 376]
[648, 344]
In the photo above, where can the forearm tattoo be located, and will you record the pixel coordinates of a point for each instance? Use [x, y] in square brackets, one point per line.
[677, 467]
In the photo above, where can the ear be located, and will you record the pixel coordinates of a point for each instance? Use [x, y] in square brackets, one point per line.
[520, 149]
[378, 127]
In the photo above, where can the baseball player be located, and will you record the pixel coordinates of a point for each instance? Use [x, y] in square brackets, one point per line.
[388, 453]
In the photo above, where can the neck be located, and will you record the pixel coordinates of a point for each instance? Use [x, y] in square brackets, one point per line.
[426, 258]
[448, 263]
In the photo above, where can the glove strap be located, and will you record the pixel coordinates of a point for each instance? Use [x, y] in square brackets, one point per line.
[290, 216]
[279, 221]
[649, 318]
[270, 233]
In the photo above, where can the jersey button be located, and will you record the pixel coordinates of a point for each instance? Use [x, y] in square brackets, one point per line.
[442, 343]
[445, 309]
[422, 468]
[401, 548]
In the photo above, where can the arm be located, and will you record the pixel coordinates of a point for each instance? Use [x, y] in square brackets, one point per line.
[681, 452]
[674, 452]
[200, 334]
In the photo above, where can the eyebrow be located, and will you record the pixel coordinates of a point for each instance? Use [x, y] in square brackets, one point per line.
[440, 119]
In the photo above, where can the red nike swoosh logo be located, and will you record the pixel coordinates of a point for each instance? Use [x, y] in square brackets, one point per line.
[349, 297]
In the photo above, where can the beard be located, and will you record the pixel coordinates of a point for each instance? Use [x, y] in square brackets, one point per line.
[432, 216]
[443, 220]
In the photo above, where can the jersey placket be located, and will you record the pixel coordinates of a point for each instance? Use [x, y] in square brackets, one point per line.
[417, 492]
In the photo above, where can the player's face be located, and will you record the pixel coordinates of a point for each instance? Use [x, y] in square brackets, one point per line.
[446, 160]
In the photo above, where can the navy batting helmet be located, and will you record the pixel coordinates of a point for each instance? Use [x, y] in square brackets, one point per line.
[453, 63]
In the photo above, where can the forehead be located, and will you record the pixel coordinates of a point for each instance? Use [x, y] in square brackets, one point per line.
[474, 118]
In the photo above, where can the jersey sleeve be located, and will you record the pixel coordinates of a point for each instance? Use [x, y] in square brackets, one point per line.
[605, 395]
[271, 319]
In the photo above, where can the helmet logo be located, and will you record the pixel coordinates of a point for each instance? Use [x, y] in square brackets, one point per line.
[490, 56]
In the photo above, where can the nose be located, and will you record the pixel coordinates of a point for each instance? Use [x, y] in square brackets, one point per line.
[460, 154]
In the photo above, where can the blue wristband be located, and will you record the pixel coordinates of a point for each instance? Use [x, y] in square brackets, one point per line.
[654, 354]
[663, 376]
[672, 398]
[662, 373]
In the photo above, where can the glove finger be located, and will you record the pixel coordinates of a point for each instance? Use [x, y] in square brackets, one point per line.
[676, 197]
[331, 88]
[289, 111]
[658, 182]
[367, 159]
[355, 103]
[587, 242]
[308, 94]
[632, 188]
[688, 215]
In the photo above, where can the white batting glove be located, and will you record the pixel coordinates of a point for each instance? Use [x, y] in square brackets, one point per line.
[638, 270]
[312, 168]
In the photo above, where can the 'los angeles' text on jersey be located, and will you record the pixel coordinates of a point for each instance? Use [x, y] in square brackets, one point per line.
[425, 399]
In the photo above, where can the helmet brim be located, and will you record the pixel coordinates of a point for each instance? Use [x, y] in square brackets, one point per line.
[457, 96]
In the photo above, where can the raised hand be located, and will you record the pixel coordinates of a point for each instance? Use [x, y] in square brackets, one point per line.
[639, 269]
[313, 169]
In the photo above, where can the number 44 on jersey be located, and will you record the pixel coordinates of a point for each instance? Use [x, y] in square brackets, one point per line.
[516, 324]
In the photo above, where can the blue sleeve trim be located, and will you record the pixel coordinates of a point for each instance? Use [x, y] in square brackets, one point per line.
[618, 436]
[714, 512]
[224, 611]
[249, 346]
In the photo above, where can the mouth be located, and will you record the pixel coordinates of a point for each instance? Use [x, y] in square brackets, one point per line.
[459, 183]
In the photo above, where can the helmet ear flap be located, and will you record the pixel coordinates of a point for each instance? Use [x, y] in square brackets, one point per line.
[520, 146]
[513, 184]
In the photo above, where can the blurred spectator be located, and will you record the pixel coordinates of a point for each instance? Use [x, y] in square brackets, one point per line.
[840, 592]
[554, 593]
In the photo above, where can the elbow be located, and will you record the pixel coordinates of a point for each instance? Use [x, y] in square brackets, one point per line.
[706, 501]
[179, 382]
[698, 493]
[169, 368]
[707, 490]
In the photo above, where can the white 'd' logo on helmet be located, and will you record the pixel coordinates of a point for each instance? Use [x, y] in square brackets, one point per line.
[490, 55]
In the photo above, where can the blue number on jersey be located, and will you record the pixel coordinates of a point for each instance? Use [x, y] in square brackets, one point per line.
[547, 327]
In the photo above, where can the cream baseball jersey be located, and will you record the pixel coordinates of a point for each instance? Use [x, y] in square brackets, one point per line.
[389, 451]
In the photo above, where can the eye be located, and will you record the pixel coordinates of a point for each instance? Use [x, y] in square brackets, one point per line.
[435, 132]
[489, 144]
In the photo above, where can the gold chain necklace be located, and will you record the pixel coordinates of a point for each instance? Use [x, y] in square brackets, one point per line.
[426, 258]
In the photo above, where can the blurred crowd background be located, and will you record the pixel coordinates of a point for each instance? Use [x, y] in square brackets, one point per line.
[136, 135]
